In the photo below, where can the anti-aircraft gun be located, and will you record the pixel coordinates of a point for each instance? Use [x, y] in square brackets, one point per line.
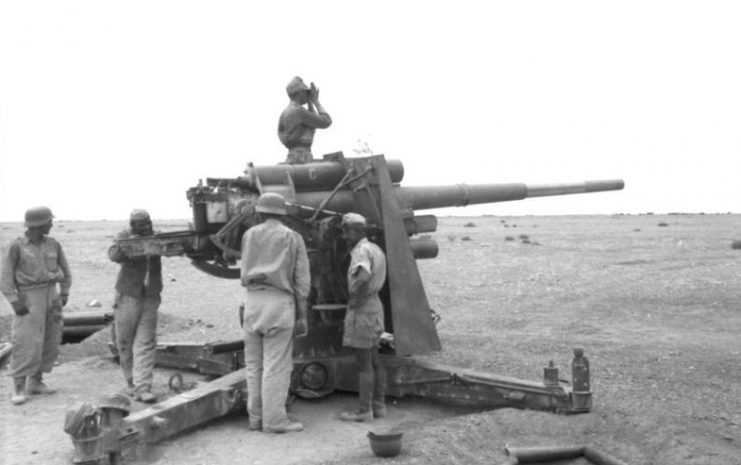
[318, 193]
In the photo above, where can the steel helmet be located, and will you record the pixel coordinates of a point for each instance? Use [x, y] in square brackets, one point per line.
[271, 202]
[353, 220]
[37, 216]
[139, 214]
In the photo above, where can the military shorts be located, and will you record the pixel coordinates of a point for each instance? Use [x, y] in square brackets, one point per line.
[363, 325]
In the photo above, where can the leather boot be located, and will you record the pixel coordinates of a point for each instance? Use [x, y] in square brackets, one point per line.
[37, 386]
[365, 397]
[19, 391]
[129, 389]
[145, 395]
[379, 393]
[289, 427]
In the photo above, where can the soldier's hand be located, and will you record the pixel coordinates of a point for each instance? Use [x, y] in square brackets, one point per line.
[302, 327]
[19, 308]
[64, 298]
[313, 93]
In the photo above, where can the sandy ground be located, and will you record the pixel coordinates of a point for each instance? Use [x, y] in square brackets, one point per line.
[653, 299]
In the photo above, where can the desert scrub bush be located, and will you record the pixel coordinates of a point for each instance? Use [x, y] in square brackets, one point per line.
[509, 238]
[465, 238]
[451, 237]
[523, 237]
[662, 224]
[469, 225]
[526, 241]
[637, 230]
[736, 245]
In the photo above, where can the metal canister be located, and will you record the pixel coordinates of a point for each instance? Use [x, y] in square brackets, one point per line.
[580, 371]
[550, 375]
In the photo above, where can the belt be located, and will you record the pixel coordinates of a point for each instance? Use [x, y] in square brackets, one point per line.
[28, 287]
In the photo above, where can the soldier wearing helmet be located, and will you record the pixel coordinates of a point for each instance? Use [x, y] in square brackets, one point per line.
[275, 273]
[138, 288]
[297, 124]
[32, 266]
[364, 318]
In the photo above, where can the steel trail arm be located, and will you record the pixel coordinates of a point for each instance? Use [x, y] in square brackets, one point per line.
[204, 403]
[406, 376]
[108, 433]
[459, 386]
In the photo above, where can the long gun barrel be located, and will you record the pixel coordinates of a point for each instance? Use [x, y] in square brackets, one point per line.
[460, 195]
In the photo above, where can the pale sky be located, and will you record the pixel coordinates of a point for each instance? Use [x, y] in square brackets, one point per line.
[109, 106]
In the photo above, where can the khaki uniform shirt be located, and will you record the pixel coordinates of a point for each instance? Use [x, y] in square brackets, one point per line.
[26, 265]
[138, 277]
[274, 257]
[297, 125]
[364, 319]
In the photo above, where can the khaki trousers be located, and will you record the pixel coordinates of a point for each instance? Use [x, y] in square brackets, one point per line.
[268, 359]
[37, 334]
[136, 338]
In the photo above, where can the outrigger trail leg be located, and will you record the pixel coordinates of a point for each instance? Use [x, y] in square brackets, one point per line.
[191, 408]
[406, 376]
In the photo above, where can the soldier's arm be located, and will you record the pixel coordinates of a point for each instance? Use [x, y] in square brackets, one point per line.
[361, 274]
[282, 135]
[319, 120]
[7, 278]
[243, 263]
[115, 252]
[359, 284]
[301, 279]
[66, 282]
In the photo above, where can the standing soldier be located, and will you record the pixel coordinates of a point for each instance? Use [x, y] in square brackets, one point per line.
[297, 125]
[275, 271]
[364, 318]
[31, 268]
[138, 290]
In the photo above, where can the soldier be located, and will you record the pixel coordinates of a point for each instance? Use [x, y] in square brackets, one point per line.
[297, 125]
[275, 272]
[138, 289]
[31, 268]
[364, 318]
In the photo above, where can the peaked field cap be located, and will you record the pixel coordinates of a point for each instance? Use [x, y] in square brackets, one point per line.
[271, 202]
[353, 220]
[296, 85]
[139, 214]
[37, 216]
